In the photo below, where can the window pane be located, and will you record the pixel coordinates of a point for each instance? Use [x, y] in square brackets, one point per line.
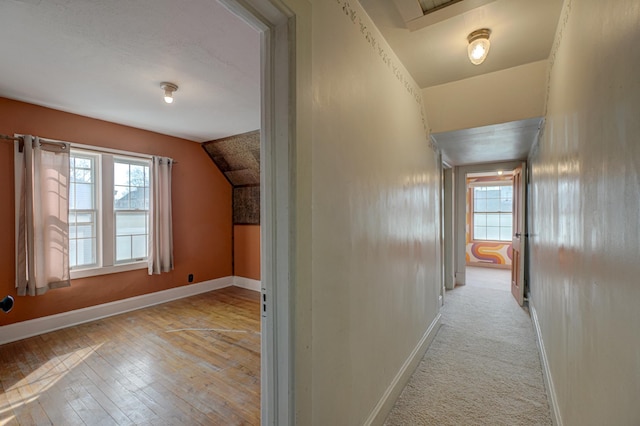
[83, 196]
[121, 200]
[506, 219]
[480, 206]
[121, 173]
[505, 233]
[86, 252]
[123, 248]
[506, 192]
[84, 217]
[72, 253]
[136, 175]
[136, 198]
[479, 219]
[84, 163]
[139, 243]
[82, 175]
[131, 223]
[480, 193]
[493, 204]
[493, 192]
[84, 231]
[493, 233]
[480, 233]
[72, 196]
[493, 219]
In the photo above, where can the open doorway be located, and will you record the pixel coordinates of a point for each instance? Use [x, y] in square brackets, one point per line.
[489, 229]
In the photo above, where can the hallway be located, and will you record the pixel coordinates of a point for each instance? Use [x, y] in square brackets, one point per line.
[483, 367]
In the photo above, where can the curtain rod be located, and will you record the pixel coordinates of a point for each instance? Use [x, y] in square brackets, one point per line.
[81, 146]
[11, 138]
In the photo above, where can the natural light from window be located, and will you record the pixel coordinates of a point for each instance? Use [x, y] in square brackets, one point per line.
[492, 213]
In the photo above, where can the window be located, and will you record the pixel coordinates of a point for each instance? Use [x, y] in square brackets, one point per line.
[108, 212]
[83, 211]
[492, 212]
[131, 209]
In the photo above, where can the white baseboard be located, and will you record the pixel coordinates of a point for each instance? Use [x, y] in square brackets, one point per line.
[34, 327]
[385, 404]
[247, 283]
[546, 372]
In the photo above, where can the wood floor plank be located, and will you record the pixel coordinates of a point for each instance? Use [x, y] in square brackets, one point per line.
[193, 361]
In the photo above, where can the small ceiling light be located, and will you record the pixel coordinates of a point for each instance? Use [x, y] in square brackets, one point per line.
[500, 172]
[168, 88]
[479, 45]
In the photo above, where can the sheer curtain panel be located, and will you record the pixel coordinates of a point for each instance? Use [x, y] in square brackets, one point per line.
[161, 237]
[42, 252]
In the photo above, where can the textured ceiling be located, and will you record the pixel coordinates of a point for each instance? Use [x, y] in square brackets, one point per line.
[106, 59]
[237, 157]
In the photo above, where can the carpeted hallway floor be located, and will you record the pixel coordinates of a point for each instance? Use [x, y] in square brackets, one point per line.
[483, 366]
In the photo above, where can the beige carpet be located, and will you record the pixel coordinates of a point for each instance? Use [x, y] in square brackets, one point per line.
[482, 368]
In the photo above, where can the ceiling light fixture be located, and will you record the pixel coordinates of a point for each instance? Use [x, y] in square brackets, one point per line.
[168, 88]
[479, 45]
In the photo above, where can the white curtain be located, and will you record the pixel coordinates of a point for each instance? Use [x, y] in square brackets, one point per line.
[42, 173]
[161, 236]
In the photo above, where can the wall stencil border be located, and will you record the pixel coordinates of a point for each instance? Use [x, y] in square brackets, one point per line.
[395, 66]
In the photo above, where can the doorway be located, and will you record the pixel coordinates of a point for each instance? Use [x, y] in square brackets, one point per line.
[484, 225]
[276, 201]
[488, 229]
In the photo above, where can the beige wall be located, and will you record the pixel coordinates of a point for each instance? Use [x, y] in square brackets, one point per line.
[374, 188]
[586, 198]
[201, 211]
[498, 97]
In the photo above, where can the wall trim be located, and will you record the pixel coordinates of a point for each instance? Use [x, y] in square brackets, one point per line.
[391, 394]
[248, 283]
[546, 371]
[34, 327]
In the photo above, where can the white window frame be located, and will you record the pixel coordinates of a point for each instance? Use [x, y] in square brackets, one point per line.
[105, 252]
[474, 186]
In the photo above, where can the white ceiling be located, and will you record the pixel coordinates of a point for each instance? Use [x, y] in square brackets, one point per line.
[522, 32]
[106, 59]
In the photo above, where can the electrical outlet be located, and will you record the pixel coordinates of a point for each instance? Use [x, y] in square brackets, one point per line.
[190, 278]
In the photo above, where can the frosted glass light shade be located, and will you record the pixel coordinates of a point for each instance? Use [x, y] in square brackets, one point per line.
[479, 45]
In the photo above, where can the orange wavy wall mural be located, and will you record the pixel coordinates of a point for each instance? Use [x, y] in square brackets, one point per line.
[485, 253]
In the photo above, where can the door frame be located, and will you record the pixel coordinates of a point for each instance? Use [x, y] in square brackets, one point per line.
[460, 208]
[276, 25]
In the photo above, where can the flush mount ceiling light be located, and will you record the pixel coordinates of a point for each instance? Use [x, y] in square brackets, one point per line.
[168, 88]
[479, 45]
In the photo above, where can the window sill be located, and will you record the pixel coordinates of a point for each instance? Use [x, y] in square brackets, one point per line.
[92, 272]
[492, 241]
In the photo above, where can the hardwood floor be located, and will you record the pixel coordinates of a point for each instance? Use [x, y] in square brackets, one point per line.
[194, 361]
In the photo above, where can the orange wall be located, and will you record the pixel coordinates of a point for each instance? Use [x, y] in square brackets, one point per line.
[246, 251]
[201, 211]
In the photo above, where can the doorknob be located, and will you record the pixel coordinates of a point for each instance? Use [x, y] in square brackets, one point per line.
[518, 235]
